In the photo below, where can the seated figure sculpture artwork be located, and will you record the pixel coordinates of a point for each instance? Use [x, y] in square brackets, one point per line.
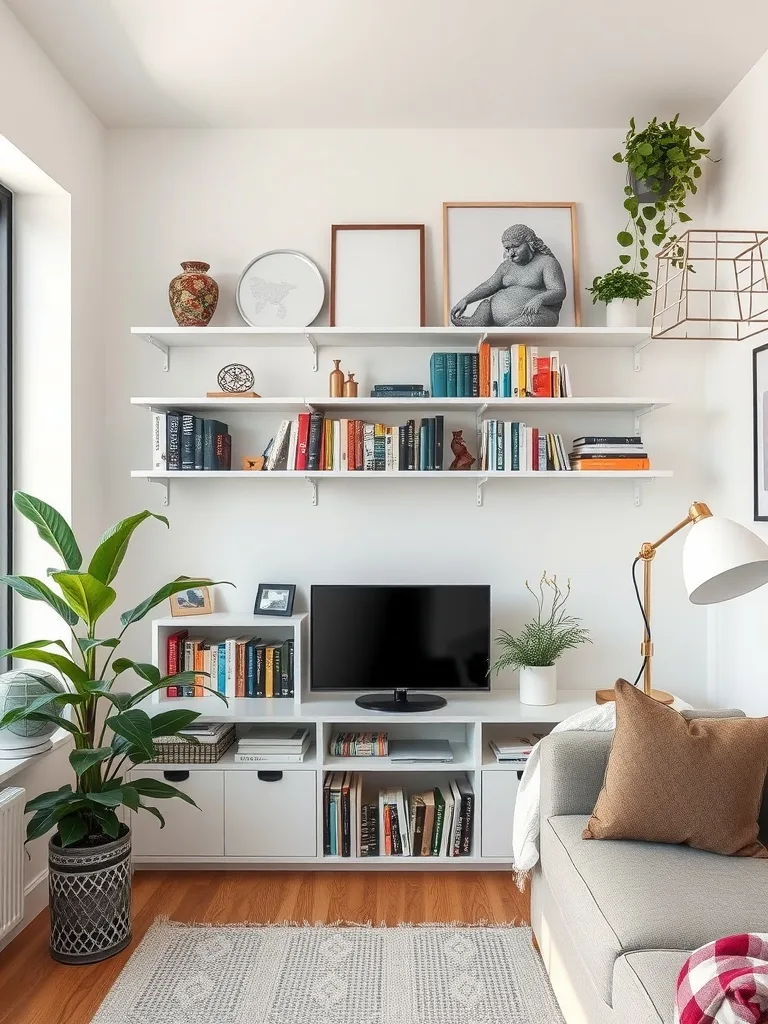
[526, 290]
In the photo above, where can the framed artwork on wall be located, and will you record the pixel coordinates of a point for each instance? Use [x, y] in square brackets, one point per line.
[511, 265]
[378, 275]
[760, 431]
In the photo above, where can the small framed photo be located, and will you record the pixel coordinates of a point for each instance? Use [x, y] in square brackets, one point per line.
[195, 601]
[760, 431]
[275, 599]
[511, 265]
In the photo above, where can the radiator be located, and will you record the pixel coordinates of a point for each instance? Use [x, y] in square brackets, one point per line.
[11, 859]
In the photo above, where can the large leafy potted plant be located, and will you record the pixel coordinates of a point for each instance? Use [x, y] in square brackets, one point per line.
[89, 851]
[541, 642]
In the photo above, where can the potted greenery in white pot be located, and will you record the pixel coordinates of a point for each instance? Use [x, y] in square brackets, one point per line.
[621, 291]
[90, 849]
[536, 649]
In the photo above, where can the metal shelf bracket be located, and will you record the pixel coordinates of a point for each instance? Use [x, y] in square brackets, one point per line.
[646, 410]
[163, 348]
[638, 494]
[313, 484]
[480, 484]
[166, 485]
[310, 340]
[481, 411]
[637, 350]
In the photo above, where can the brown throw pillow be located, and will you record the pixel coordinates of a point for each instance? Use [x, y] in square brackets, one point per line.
[669, 780]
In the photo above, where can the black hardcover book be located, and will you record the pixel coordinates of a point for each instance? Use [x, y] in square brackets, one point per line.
[315, 440]
[211, 430]
[475, 371]
[594, 439]
[397, 842]
[173, 441]
[284, 669]
[345, 817]
[277, 675]
[418, 830]
[411, 444]
[402, 447]
[290, 692]
[327, 816]
[198, 443]
[467, 814]
[373, 830]
[466, 366]
[387, 388]
[260, 686]
[607, 455]
[439, 432]
[364, 836]
[187, 441]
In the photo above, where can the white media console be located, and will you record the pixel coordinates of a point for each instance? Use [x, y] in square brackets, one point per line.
[271, 814]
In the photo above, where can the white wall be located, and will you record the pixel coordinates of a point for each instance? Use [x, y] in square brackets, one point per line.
[737, 199]
[225, 196]
[51, 155]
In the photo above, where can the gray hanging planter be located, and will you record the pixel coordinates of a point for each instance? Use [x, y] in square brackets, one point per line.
[89, 900]
[644, 194]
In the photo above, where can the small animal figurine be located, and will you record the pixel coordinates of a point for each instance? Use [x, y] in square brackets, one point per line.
[463, 459]
[253, 462]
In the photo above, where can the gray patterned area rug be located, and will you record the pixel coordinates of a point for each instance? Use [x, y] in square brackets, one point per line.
[192, 974]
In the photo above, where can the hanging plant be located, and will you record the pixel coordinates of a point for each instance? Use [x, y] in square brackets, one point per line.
[663, 161]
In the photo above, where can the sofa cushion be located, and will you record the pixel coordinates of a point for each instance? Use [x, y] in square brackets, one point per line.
[644, 978]
[673, 781]
[622, 896]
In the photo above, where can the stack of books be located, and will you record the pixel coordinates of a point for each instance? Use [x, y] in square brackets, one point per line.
[284, 743]
[183, 442]
[436, 822]
[609, 453]
[521, 372]
[399, 391]
[454, 375]
[241, 666]
[359, 744]
[511, 447]
[314, 443]
[515, 750]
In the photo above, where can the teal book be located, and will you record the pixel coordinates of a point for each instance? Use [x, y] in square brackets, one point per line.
[250, 666]
[211, 429]
[423, 445]
[464, 383]
[451, 374]
[438, 382]
[332, 824]
[221, 669]
[515, 446]
[198, 443]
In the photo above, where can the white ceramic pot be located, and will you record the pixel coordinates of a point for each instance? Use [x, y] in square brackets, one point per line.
[621, 313]
[538, 684]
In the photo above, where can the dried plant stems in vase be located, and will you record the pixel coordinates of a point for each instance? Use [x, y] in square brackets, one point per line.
[537, 647]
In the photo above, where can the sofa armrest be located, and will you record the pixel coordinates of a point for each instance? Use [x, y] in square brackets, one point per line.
[572, 771]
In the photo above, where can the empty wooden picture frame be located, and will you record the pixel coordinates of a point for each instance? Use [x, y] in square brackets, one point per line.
[378, 275]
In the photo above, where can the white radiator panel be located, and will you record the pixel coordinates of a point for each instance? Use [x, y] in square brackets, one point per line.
[11, 859]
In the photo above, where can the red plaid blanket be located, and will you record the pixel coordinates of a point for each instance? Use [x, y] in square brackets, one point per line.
[725, 982]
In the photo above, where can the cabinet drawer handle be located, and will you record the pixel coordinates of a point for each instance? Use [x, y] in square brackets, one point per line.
[270, 776]
[175, 776]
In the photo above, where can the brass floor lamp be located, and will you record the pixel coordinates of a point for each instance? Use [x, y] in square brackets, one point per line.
[721, 560]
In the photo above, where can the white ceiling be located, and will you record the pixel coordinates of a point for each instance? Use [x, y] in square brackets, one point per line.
[398, 63]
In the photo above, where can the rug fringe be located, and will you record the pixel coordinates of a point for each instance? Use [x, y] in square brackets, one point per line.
[163, 919]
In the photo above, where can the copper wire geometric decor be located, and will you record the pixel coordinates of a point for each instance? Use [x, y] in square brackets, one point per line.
[712, 285]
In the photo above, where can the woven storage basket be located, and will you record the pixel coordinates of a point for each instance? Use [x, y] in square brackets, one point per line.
[173, 751]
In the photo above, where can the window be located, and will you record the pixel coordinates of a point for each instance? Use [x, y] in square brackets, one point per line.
[6, 440]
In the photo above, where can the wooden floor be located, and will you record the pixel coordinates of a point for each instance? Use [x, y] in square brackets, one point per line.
[35, 990]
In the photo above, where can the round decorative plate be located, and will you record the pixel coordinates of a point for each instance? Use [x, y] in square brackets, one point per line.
[281, 288]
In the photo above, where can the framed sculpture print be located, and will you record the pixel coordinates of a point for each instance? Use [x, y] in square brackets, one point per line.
[511, 265]
[760, 431]
[377, 275]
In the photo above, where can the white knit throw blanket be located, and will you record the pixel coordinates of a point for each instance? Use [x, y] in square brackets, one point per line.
[525, 826]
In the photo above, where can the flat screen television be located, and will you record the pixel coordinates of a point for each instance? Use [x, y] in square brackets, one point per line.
[400, 639]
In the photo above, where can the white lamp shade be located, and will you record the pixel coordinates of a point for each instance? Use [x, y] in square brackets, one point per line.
[722, 560]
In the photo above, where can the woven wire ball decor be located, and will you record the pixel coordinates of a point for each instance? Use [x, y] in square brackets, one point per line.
[235, 377]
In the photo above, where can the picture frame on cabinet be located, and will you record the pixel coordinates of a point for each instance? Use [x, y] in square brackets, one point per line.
[760, 432]
[195, 601]
[511, 264]
[275, 599]
[378, 275]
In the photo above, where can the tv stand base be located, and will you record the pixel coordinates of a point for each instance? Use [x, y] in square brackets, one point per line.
[401, 702]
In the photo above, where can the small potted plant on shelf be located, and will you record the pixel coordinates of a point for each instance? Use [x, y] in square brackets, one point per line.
[90, 848]
[621, 290]
[537, 647]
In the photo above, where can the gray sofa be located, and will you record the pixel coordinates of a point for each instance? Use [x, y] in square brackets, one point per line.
[615, 920]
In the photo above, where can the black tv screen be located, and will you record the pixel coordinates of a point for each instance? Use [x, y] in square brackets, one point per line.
[383, 637]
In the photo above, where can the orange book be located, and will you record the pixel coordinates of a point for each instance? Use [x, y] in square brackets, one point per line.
[484, 369]
[199, 666]
[611, 464]
[269, 673]
[240, 665]
[351, 449]
[387, 830]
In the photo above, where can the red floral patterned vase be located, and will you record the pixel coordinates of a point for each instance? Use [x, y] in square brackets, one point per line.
[193, 295]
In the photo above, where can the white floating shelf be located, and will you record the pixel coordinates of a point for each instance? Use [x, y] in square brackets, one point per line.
[640, 406]
[452, 338]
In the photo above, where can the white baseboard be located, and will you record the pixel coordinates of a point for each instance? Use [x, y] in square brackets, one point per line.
[35, 901]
